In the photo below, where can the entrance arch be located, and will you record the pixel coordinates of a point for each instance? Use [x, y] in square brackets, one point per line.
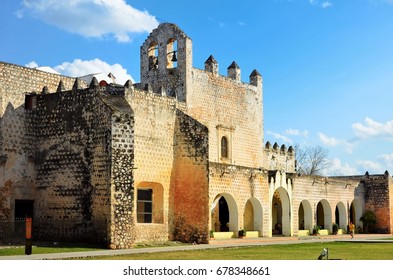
[224, 214]
[355, 212]
[324, 215]
[253, 215]
[305, 216]
[281, 213]
[340, 216]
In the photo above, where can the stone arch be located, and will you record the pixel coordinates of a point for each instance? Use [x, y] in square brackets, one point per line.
[324, 215]
[153, 55]
[253, 215]
[355, 212]
[305, 216]
[341, 216]
[171, 53]
[281, 212]
[224, 213]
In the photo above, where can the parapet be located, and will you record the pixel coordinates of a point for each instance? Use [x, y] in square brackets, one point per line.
[279, 157]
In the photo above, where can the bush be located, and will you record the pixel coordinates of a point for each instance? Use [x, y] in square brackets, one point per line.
[369, 221]
[187, 233]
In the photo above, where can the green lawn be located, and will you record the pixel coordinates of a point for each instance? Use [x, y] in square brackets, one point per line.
[12, 251]
[305, 251]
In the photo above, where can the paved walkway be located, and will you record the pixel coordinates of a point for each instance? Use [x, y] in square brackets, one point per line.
[219, 243]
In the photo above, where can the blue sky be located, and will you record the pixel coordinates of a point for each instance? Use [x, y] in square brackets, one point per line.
[327, 65]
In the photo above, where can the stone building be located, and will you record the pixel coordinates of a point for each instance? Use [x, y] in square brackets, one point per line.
[174, 157]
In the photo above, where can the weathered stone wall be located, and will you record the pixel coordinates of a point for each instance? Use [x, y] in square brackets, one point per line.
[154, 129]
[16, 80]
[190, 181]
[17, 172]
[331, 192]
[377, 199]
[229, 108]
[72, 132]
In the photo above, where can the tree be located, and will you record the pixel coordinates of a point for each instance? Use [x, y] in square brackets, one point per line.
[311, 160]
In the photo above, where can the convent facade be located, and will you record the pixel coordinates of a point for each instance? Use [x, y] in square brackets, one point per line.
[177, 156]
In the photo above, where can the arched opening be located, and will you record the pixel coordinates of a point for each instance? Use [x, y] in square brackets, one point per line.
[281, 221]
[340, 215]
[224, 147]
[172, 53]
[305, 216]
[253, 215]
[324, 215]
[355, 212]
[153, 55]
[224, 214]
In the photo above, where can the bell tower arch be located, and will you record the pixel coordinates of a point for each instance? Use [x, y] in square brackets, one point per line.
[166, 61]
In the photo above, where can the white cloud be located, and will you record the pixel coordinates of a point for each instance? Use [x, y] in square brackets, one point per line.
[338, 168]
[296, 132]
[387, 159]
[32, 64]
[371, 128]
[334, 142]
[91, 18]
[371, 166]
[78, 68]
[325, 4]
[280, 137]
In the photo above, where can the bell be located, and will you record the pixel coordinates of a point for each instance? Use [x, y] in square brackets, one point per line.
[174, 58]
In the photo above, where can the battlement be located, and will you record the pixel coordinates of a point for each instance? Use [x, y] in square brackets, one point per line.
[279, 157]
[234, 71]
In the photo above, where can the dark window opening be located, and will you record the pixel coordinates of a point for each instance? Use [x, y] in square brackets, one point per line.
[224, 147]
[145, 206]
[24, 209]
[30, 102]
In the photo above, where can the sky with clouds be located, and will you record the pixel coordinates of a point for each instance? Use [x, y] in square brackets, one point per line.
[327, 66]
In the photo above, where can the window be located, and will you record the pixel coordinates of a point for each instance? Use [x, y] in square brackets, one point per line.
[153, 55]
[171, 53]
[224, 147]
[145, 206]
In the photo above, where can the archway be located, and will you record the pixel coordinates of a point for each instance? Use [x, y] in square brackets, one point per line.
[340, 216]
[224, 213]
[324, 215]
[355, 212]
[253, 215]
[305, 216]
[281, 213]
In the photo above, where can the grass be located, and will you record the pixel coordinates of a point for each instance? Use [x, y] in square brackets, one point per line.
[305, 251]
[61, 248]
[302, 251]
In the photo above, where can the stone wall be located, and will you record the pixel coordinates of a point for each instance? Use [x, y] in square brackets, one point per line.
[17, 80]
[232, 109]
[72, 134]
[378, 200]
[190, 181]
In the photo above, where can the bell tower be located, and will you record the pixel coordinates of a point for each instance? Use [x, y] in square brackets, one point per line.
[166, 61]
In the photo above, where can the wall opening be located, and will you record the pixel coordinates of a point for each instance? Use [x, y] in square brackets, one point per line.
[172, 53]
[153, 55]
[149, 203]
[24, 209]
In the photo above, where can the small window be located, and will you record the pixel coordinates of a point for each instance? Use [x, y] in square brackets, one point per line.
[145, 206]
[153, 55]
[224, 147]
[30, 102]
[171, 53]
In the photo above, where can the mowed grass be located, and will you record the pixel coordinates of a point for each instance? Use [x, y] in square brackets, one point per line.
[12, 251]
[305, 251]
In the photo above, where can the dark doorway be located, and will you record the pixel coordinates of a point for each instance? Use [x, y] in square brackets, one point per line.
[24, 209]
[223, 214]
